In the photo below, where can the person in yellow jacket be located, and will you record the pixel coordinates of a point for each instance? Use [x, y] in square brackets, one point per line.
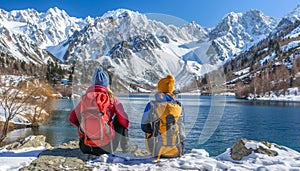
[162, 122]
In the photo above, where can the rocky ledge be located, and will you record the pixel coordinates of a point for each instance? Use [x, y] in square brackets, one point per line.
[69, 157]
[63, 157]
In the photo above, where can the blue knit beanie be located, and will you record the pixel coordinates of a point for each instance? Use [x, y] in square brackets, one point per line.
[100, 77]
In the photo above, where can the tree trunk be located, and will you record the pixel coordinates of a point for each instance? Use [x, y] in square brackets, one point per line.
[35, 124]
[4, 131]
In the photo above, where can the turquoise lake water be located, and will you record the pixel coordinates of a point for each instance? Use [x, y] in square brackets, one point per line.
[212, 123]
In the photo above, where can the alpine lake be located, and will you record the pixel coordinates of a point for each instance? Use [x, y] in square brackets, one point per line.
[213, 123]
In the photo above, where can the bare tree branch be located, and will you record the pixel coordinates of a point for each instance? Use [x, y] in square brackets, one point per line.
[28, 100]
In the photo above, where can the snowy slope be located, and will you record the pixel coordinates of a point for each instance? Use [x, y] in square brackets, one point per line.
[140, 49]
[123, 34]
[290, 18]
[239, 31]
[24, 34]
[129, 38]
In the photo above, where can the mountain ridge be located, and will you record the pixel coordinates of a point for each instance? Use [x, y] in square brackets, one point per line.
[121, 38]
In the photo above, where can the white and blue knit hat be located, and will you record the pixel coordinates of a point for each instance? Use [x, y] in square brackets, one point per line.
[100, 77]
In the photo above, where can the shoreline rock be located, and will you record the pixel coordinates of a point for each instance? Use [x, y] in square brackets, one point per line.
[31, 141]
[243, 148]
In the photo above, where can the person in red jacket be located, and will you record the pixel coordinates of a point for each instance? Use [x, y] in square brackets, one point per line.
[119, 118]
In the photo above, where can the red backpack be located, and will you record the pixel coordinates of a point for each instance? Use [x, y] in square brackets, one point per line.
[96, 127]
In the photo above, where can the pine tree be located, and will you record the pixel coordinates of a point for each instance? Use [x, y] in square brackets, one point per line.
[296, 73]
[23, 63]
[16, 67]
[282, 78]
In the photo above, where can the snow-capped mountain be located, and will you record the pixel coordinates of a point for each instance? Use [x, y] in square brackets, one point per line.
[129, 39]
[24, 34]
[133, 48]
[272, 64]
[291, 17]
[239, 31]
[47, 28]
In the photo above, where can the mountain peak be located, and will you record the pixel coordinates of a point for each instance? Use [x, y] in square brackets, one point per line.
[194, 24]
[232, 14]
[55, 11]
[236, 31]
[254, 12]
[26, 15]
[248, 19]
[289, 19]
[119, 13]
[294, 15]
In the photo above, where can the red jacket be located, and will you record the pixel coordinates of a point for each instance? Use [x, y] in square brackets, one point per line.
[114, 107]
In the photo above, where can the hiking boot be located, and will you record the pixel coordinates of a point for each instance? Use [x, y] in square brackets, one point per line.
[130, 149]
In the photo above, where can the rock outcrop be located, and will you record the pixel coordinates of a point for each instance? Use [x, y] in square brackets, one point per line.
[31, 141]
[66, 156]
[240, 149]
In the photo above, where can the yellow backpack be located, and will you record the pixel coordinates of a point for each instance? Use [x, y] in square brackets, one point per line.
[166, 139]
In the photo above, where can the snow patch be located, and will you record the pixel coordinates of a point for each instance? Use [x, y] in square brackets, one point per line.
[242, 72]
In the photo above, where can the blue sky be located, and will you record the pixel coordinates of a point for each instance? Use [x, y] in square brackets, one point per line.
[204, 12]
